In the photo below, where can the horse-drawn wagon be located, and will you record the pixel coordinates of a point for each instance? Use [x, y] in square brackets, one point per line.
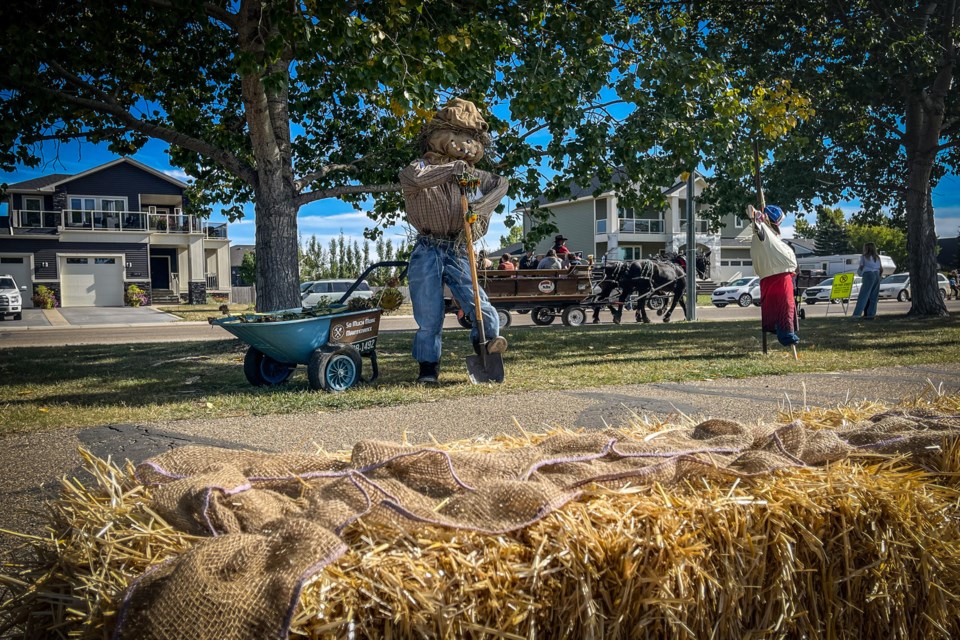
[547, 294]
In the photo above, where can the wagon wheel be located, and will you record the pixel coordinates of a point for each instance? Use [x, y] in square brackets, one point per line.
[542, 316]
[503, 315]
[464, 321]
[335, 371]
[574, 316]
[655, 303]
[262, 370]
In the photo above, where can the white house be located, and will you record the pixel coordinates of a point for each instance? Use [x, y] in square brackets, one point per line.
[599, 226]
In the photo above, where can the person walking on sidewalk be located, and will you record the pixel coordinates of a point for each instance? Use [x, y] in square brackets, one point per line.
[451, 144]
[869, 270]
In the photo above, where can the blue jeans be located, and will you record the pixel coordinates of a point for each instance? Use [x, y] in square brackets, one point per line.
[433, 264]
[869, 292]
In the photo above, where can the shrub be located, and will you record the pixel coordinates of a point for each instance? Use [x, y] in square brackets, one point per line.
[45, 298]
[135, 296]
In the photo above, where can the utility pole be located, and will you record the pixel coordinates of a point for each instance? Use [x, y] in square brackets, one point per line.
[691, 252]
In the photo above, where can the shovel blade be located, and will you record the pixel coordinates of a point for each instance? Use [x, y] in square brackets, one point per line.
[485, 369]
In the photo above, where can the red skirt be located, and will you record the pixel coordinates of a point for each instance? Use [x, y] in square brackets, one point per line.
[777, 304]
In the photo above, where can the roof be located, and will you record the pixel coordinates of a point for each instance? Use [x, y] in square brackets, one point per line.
[808, 245]
[513, 249]
[38, 183]
[50, 182]
[237, 252]
[577, 191]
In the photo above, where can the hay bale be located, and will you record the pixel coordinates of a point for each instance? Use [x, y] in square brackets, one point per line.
[865, 547]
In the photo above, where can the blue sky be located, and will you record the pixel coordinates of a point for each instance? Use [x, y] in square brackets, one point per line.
[326, 219]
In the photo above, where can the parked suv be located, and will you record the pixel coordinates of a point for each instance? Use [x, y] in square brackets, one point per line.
[332, 291]
[737, 292]
[821, 292]
[11, 300]
[898, 286]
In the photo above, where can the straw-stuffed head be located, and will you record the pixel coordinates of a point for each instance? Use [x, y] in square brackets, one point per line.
[456, 132]
[773, 213]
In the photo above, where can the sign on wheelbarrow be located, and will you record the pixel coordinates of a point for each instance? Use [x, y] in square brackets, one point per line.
[359, 330]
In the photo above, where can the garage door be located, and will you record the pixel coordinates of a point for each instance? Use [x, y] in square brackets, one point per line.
[19, 268]
[91, 282]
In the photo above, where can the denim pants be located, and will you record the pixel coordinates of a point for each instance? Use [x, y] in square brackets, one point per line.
[433, 264]
[869, 292]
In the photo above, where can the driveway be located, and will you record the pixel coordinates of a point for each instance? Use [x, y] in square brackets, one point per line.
[100, 316]
[31, 318]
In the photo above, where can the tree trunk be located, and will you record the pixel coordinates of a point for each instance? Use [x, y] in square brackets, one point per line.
[278, 274]
[925, 297]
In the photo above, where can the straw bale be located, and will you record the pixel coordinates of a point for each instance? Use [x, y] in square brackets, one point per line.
[863, 544]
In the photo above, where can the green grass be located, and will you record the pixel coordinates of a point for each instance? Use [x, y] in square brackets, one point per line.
[46, 388]
[200, 312]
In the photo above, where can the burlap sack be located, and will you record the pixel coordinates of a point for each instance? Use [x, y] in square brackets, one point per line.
[275, 519]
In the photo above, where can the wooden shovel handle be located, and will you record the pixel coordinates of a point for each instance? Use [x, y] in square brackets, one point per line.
[468, 233]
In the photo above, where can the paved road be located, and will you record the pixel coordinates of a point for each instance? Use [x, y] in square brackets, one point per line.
[14, 336]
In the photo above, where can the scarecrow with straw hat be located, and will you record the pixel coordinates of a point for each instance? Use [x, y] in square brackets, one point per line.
[775, 263]
[451, 144]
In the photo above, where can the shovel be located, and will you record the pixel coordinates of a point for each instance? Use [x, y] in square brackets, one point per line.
[486, 367]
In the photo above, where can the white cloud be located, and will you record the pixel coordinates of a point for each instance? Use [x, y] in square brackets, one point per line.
[177, 174]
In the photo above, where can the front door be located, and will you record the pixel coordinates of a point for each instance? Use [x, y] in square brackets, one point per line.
[160, 272]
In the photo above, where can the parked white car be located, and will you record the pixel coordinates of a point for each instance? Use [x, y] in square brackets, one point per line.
[736, 292]
[11, 298]
[821, 292]
[898, 286]
[332, 291]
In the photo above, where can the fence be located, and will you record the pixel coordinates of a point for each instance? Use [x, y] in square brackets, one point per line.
[243, 295]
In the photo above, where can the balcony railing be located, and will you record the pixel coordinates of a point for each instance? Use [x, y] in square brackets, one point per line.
[215, 230]
[140, 221]
[212, 283]
[628, 225]
[700, 226]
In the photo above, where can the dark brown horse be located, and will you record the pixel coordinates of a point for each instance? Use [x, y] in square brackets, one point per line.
[648, 278]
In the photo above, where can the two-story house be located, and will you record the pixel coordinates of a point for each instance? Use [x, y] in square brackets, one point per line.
[599, 226]
[91, 235]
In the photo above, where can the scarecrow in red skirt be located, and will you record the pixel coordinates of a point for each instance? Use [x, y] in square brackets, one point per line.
[776, 264]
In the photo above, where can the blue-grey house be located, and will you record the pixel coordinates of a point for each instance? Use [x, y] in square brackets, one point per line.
[91, 235]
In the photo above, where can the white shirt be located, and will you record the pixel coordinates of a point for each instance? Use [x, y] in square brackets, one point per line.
[771, 255]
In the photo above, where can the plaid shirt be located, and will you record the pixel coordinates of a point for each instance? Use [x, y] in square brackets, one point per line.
[432, 196]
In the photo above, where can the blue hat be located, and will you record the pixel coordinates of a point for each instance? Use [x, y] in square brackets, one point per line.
[774, 214]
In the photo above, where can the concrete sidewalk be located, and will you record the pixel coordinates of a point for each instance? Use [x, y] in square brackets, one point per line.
[32, 463]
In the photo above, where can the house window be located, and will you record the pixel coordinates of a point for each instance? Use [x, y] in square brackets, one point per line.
[600, 215]
[631, 253]
[104, 261]
[76, 261]
[738, 222]
[11, 260]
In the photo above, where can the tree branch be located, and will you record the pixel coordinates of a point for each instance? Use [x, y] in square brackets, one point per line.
[212, 10]
[106, 131]
[946, 145]
[225, 158]
[322, 173]
[343, 190]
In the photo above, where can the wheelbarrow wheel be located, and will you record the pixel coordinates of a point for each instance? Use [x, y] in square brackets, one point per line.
[334, 371]
[263, 371]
